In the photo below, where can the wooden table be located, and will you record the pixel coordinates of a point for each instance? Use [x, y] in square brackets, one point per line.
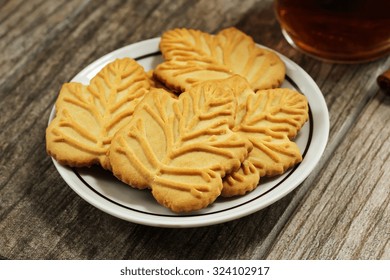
[341, 211]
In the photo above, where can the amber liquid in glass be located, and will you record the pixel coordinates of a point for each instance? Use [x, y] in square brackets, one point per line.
[337, 30]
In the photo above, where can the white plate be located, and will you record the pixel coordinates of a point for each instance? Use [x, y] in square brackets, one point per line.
[101, 189]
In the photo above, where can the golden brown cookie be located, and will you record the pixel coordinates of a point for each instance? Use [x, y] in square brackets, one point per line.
[269, 119]
[181, 147]
[193, 56]
[87, 117]
[154, 83]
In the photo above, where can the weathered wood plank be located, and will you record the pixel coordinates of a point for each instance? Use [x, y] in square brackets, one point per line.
[46, 43]
[347, 214]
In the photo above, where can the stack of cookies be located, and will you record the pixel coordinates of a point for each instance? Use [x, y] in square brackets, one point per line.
[210, 120]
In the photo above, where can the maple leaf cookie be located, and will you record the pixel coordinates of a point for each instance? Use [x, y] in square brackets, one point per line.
[181, 147]
[192, 56]
[269, 119]
[87, 117]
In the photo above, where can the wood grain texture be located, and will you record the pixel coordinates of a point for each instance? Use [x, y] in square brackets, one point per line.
[341, 211]
[347, 215]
